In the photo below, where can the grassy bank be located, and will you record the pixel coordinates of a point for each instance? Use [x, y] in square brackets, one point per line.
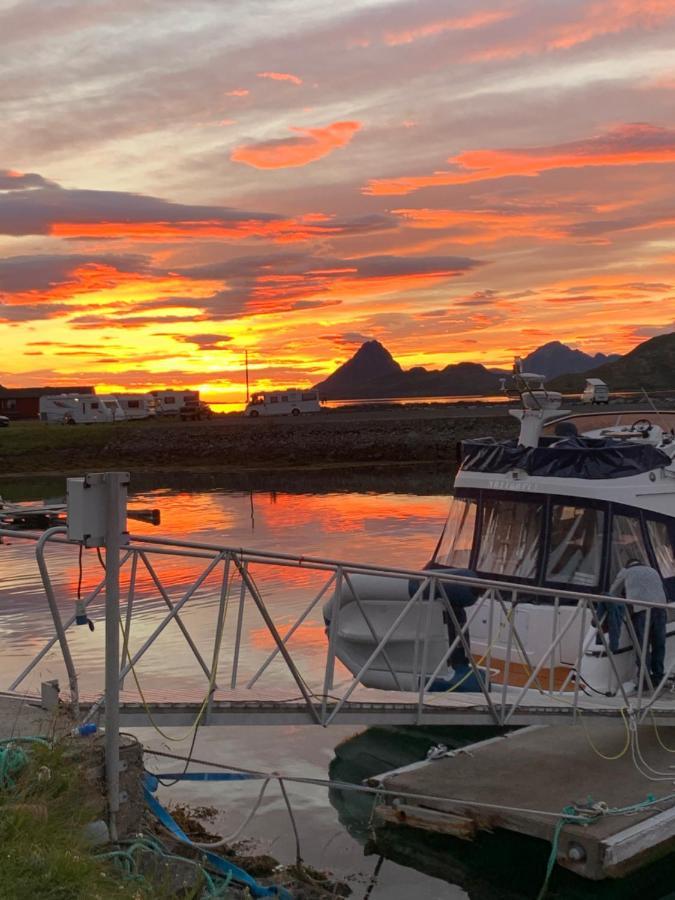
[228, 443]
[43, 813]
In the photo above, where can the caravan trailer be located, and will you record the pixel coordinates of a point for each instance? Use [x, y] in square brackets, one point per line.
[73, 409]
[137, 406]
[113, 404]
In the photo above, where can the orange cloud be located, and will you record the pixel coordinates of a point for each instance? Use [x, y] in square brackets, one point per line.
[479, 226]
[283, 153]
[302, 228]
[431, 29]
[280, 76]
[625, 145]
[597, 19]
[238, 92]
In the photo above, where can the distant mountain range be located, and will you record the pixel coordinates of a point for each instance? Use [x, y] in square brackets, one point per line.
[650, 365]
[373, 373]
[555, 359]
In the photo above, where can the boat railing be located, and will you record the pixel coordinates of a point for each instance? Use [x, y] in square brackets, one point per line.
[506, 677]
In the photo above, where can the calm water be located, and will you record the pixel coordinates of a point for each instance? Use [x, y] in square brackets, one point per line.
[393, 528]
[396, 529]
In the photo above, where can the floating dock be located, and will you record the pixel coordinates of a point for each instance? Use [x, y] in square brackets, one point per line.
[523, 781]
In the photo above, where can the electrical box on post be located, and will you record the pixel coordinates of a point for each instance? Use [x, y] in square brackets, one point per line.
[88, 517]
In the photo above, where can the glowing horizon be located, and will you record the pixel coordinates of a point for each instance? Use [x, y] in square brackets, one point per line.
[460, 181]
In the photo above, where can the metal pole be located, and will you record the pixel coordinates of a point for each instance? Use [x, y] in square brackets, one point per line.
[246, 366]
[116, 483]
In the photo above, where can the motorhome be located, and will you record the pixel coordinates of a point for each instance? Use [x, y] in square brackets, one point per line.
[74, 409]
[137, 406]
[596, 392]
[170, 402]
[279, 403]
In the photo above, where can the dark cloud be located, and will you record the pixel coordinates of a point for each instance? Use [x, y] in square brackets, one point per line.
[204, 341]
[24, 212]
[18, 181]
[92, 321]
[40, 272]
[29, 312]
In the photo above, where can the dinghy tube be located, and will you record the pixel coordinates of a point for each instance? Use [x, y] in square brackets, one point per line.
[367, 607]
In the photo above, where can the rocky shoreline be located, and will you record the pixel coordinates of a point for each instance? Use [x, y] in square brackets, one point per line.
[370, 437]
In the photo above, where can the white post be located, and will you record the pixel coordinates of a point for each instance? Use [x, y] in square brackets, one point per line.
[115, 537]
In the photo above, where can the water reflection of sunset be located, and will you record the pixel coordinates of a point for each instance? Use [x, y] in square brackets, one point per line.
[392, 529]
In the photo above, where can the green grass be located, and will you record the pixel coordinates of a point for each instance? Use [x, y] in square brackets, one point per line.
[35, 447]
[43, 853]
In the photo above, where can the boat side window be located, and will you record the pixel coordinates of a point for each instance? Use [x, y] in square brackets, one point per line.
[454, 549]
[510, 538]
[627, 543]
[575, 551]
[662, 545]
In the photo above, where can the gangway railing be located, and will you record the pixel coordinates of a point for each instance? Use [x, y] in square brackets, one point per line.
[507, 676]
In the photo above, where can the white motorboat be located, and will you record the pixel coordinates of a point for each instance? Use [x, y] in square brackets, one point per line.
[560, 509]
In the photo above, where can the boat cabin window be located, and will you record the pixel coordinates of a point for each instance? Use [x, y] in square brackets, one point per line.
[510, 538]
[575, 550]
[662, 544]
[454, 549]
[627, 543]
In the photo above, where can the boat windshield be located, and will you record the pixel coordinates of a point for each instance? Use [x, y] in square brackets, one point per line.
[627, 543]
[454, 549]
[575, 551]
[510, 538]
[663, 548]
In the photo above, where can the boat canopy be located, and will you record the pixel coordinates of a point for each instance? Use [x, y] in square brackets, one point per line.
[573, 457]
[563, 542]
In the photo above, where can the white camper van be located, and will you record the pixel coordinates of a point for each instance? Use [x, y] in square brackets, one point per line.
[170, 403]
[279, 403]
[74, 409]
[137, 406]
[596, 392]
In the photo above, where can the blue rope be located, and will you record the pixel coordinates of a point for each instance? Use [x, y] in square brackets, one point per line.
[221, 865]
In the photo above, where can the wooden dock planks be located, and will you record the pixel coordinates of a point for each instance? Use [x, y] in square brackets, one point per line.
[541, 770]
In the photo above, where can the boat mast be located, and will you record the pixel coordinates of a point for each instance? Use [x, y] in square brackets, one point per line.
[246, 367]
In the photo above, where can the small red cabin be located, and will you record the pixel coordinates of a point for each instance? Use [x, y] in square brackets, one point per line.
[24, 403]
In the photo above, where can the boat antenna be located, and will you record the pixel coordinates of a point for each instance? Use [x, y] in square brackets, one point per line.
[246, 367]
[525, 387]
[664, 424]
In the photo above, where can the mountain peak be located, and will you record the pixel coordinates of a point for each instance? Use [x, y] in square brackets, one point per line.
[374, 354]
[555, 358]
[373, 372]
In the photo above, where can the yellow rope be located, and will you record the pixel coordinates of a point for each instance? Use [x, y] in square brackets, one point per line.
[618, 755]
[658, 736]
[212, 681]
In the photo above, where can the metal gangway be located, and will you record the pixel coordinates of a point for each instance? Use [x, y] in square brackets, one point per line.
[241, 687]
[232, 577]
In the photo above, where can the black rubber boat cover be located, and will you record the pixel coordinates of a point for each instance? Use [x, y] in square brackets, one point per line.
[573, 457]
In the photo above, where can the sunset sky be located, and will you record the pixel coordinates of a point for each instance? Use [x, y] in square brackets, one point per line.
[184, 181]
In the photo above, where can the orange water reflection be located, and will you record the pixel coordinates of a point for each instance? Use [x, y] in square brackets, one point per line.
[389, 529]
